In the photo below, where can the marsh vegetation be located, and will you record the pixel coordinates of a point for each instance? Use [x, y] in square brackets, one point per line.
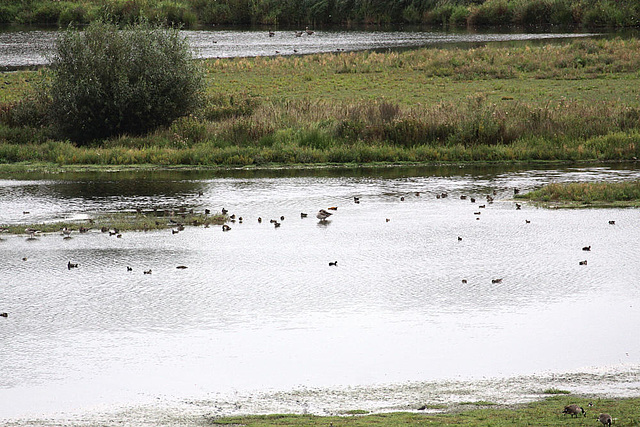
[561, 102]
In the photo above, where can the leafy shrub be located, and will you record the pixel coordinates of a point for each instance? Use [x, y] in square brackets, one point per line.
[108, 82]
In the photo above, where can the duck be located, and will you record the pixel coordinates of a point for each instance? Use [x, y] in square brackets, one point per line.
[464, 281]
[526, 221]
[496, 280]
[334, 264]
[276, 224]
[71, 265]
[129, 268]
[463, 197]
[583, 262]
[308, 31]
[587, 248]
[333, 208]
[259, 219]
[282, 218]
[459, 239]
[356, 199]
[271, 34]
[303, 215]
[4, 314]
[574, 410]
[225, 227]
[181, 267]
[605, 419]
[518, 206]
[322, 215]
[402, 199]
[612, 223]
[147, 271]
[472, 199]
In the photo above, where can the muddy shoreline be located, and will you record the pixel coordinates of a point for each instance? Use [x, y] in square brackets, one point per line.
[620, 381]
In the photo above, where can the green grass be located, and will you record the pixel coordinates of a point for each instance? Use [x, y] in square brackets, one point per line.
[548, 412]
[578, 194]
[574, 101]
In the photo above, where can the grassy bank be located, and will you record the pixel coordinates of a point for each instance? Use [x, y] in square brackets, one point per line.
[577, 101]
[626, 412]
[117, 222]
[318, 12]
[599, 194]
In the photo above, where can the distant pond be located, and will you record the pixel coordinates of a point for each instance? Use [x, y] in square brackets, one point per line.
[23, 48]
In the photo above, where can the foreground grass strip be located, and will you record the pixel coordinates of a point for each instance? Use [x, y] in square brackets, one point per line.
[548, 412]
[584, 194]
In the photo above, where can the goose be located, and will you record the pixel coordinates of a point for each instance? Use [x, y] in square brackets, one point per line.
[605, 419]
[4, 314]
[334, 263]
[574, 410]
[612, 223]
[587, 248]
[322, 215]
[71, 265]
[271, 34]
[303, 215]
[225, 227]
[308, 31]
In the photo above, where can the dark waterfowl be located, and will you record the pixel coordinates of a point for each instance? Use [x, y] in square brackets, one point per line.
[322, 215]
[518, 206]
[459, 239]
[225, 227]
[464, 281]
[4, 314]
[129, 268]
[259, 220]
[303, 215]
[587, 248]
[583, 262]
[147, 271]
[181, 267]
[612, 222]
[496, 280]
[605, 419]
[574, 410]
[526, 221]
[334, 264]
[71, 265]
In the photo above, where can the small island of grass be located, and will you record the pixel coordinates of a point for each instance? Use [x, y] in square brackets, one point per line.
[587, 194]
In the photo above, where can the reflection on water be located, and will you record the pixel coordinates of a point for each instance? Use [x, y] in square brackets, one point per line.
[259, 307]
[29, 48]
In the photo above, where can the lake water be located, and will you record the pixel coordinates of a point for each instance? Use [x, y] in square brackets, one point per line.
[30, 47]
[259, 309]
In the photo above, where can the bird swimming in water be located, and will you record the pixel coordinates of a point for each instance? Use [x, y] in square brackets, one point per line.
[323, 215]
[70, 265]
[334, 263]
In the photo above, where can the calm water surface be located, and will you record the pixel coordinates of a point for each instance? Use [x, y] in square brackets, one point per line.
[30, 47]
[259, 307]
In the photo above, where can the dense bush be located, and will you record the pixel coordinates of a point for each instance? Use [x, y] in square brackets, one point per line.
[107, 81]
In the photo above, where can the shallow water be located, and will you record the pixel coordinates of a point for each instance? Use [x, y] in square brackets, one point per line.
[31, 47]
[259, 308]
